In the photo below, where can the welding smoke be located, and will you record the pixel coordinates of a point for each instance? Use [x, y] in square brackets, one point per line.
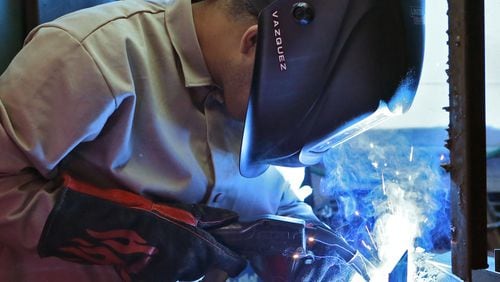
[385, 192]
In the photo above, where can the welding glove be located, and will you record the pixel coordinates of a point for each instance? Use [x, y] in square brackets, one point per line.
[326, 250]
[143, 240]
[329, 250]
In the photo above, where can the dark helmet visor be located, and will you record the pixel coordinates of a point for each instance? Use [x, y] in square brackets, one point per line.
[325, 71]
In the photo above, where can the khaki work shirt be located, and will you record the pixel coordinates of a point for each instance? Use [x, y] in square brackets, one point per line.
[105, 94]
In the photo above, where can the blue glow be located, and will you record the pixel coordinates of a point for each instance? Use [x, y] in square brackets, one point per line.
[382, 174]
[403, 98]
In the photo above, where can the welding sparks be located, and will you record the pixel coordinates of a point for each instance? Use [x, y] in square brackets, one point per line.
[403, 201]
[371, 236]
[396, 231]
[383, 184]
[368, 247]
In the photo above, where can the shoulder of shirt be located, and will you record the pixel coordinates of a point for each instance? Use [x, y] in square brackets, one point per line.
[83, 23]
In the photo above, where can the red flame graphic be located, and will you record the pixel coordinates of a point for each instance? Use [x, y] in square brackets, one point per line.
[111, 248]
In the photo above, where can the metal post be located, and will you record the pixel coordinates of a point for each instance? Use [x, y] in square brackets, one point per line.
[467, 132]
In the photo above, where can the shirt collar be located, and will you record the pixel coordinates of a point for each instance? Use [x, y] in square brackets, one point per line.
[180, 27]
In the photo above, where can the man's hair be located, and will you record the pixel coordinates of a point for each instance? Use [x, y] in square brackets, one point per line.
[241, 7]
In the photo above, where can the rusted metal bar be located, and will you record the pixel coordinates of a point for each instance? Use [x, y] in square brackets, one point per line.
[467, 132]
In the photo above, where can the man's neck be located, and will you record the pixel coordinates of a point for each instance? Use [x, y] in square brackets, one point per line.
[218, 33]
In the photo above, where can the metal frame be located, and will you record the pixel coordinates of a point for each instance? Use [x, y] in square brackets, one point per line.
[467, 133]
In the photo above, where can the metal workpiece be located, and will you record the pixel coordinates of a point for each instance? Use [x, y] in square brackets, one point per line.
[467, 143]
[400, 271]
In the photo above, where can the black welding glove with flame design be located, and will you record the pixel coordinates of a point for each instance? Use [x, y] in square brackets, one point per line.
[143, 240]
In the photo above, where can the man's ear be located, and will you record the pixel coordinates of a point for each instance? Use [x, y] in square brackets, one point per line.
[249, 41]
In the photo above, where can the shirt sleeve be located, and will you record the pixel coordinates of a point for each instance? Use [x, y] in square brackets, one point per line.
[52, 98]
[292, 206]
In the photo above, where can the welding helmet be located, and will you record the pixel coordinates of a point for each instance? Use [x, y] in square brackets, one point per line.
[325, 71]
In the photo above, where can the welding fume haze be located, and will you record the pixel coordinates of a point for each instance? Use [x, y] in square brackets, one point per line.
[388, 195]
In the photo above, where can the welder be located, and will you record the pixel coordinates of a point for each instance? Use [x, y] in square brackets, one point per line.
[133, 131]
